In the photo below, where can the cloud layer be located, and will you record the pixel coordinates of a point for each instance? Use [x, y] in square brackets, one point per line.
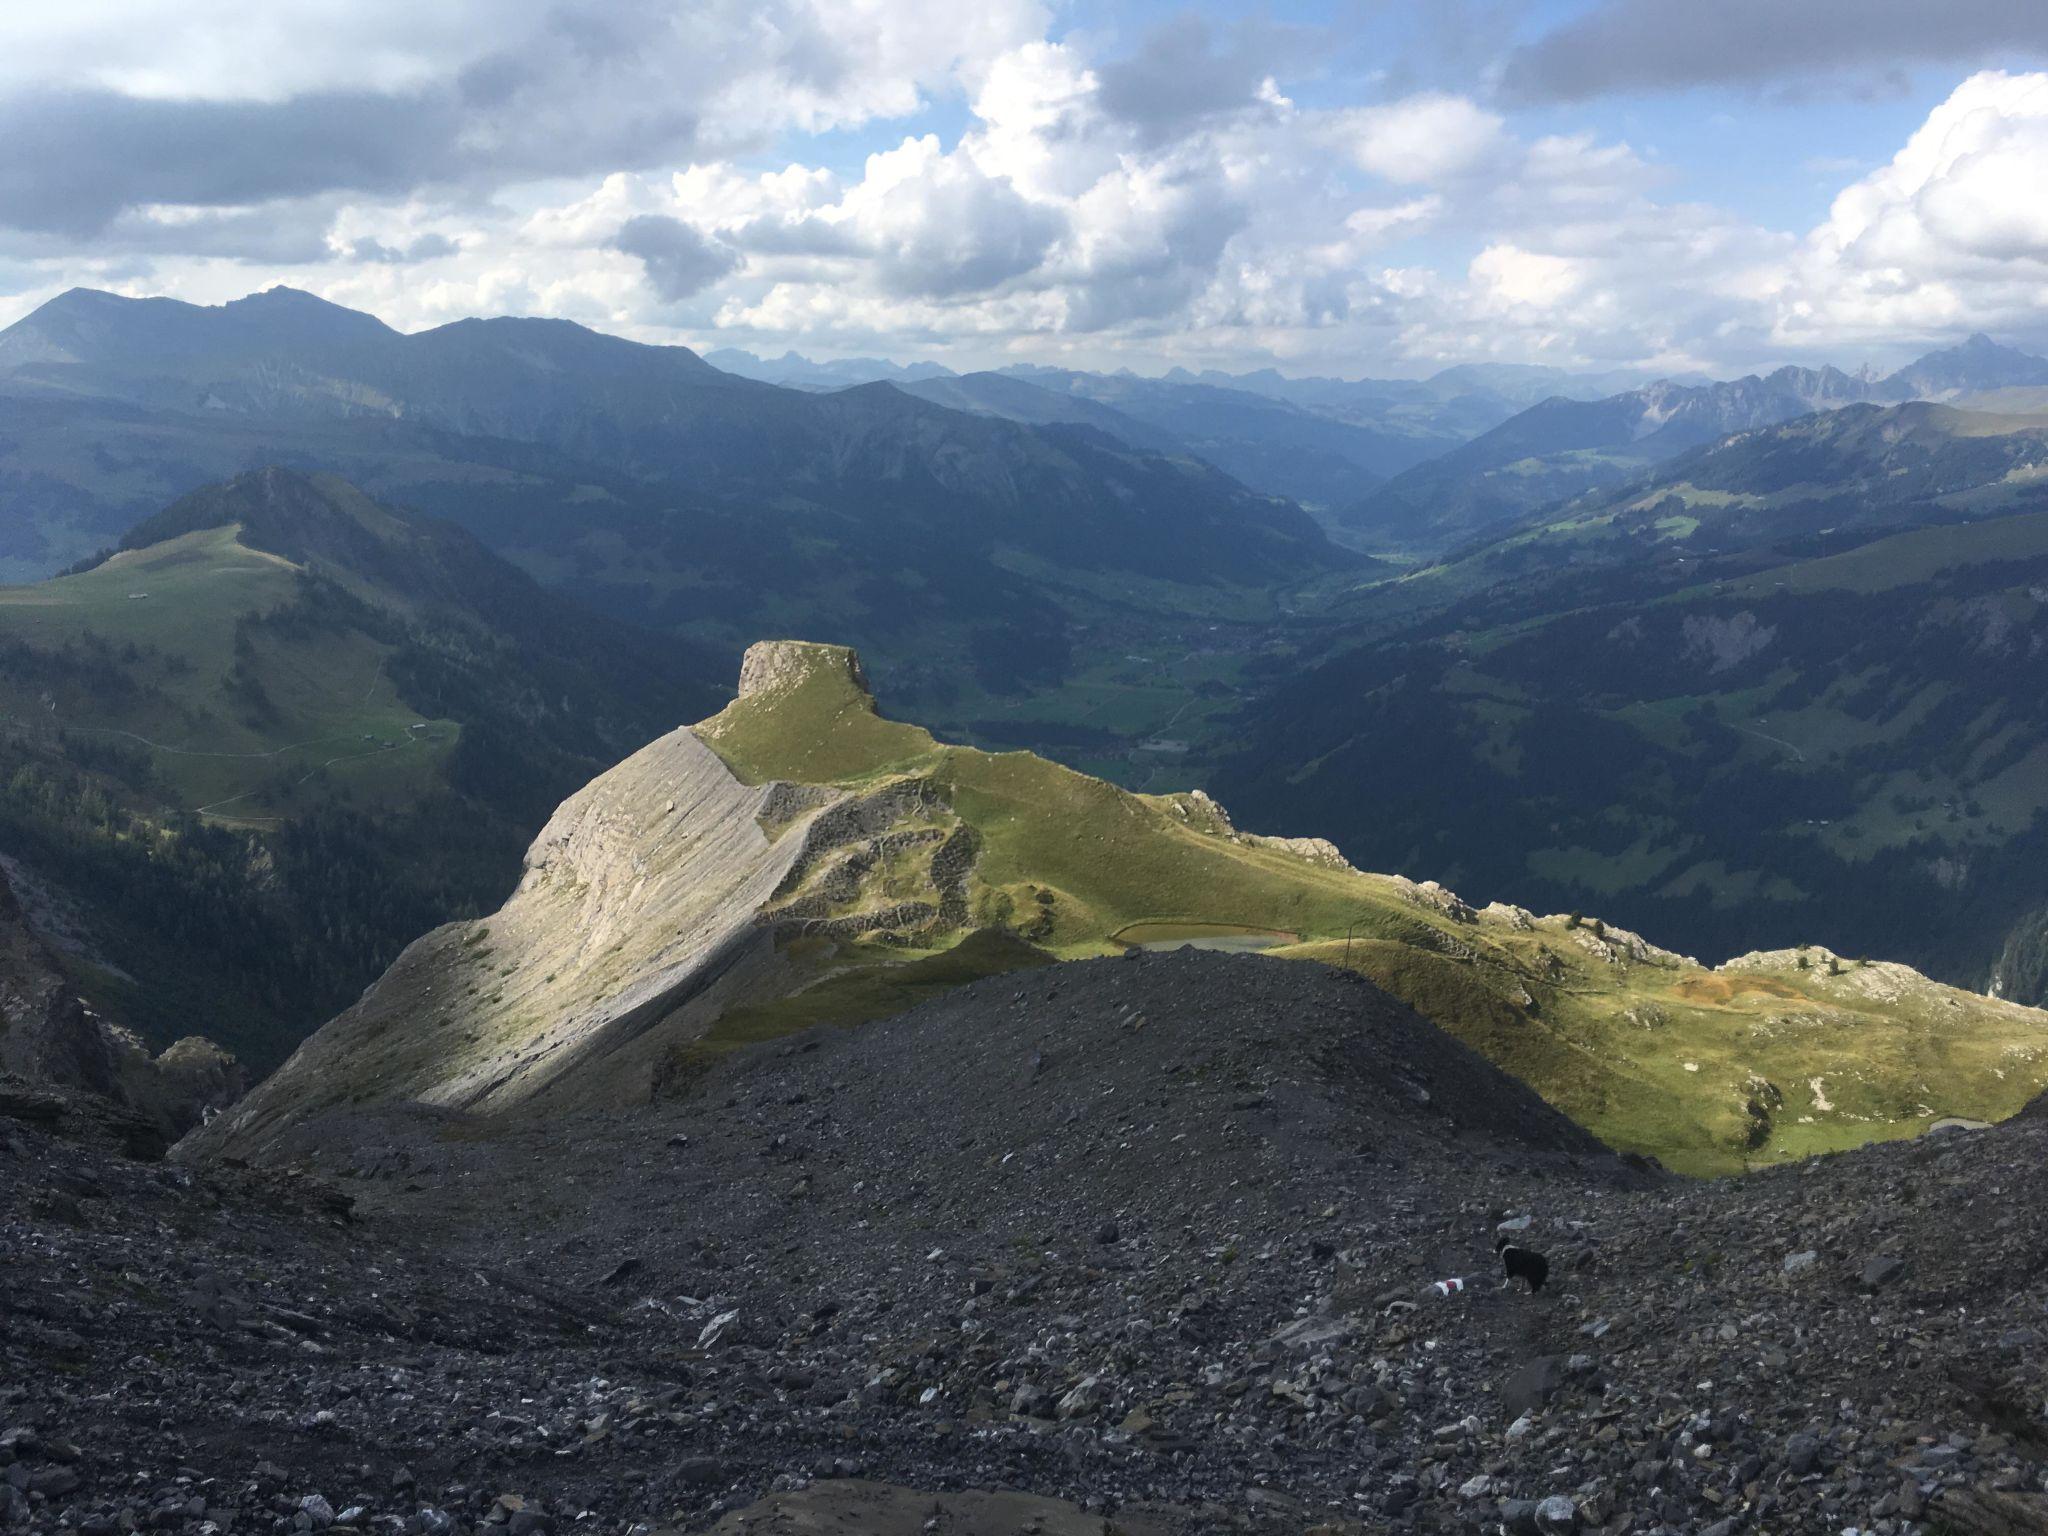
[1655, 45]
[680, 172]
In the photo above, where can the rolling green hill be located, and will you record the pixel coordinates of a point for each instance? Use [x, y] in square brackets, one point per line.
[822, 863]
[282, 729]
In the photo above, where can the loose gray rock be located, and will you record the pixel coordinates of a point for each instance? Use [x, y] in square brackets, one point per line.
[1533, 1385]
[453, 1343]
[1882, 1271]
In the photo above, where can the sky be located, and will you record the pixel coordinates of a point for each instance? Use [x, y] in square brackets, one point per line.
[1345, 187]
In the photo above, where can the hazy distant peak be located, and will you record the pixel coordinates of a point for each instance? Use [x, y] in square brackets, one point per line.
[801, 372]
[1976, 363]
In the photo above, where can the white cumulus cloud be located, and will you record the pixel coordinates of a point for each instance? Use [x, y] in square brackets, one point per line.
[1953, 232]
[1191, 194]
[1427, 138]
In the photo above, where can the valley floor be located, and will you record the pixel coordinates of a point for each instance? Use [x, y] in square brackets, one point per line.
[1152, 1237]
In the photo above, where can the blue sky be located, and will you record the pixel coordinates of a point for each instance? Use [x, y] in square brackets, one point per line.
[1347, 186]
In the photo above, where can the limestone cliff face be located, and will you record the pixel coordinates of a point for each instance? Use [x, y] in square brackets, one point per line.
[639, 899]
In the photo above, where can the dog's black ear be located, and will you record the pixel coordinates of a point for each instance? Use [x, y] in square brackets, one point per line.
[1499, 1243]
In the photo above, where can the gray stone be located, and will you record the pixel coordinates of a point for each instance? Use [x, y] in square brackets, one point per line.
[54, 1482]
[1533, 1385]
[1882, 1271]
[1083, 1399]
[1311, 1333]
[1802, 1454]
[1557, 1516]
[722, 1329]
[1796, 1262]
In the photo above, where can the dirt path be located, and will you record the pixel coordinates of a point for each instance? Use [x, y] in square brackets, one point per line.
[158, 746]
[1780, 741]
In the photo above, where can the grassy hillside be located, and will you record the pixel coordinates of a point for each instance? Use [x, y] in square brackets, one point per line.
[246, 758]
[241, 714]
[1069, 859]
[1775, 1056]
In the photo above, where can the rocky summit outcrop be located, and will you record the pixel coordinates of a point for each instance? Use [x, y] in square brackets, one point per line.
[654, 900]
[772, 666]
[50, 1037]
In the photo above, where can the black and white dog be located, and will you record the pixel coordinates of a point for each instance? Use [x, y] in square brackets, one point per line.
[1521, 1264]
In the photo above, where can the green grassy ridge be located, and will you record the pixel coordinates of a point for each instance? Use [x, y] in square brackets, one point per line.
[234, 713]
[1611, 1045]
[1110, 856]
[1602, 1030]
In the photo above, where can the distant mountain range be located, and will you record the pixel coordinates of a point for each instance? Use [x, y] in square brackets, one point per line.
[1518, 383]
[1418, 465]
[1323, 442]
[795, 371]
[1560, 447]
[640, 478]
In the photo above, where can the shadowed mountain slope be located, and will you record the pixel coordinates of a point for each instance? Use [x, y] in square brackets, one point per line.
[1785, 684]
[972, 557]
[655, 414]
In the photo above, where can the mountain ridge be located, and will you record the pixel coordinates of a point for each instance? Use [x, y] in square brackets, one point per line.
[800, 859]
[957, 548]
[1561, 447]
[1783, 681]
